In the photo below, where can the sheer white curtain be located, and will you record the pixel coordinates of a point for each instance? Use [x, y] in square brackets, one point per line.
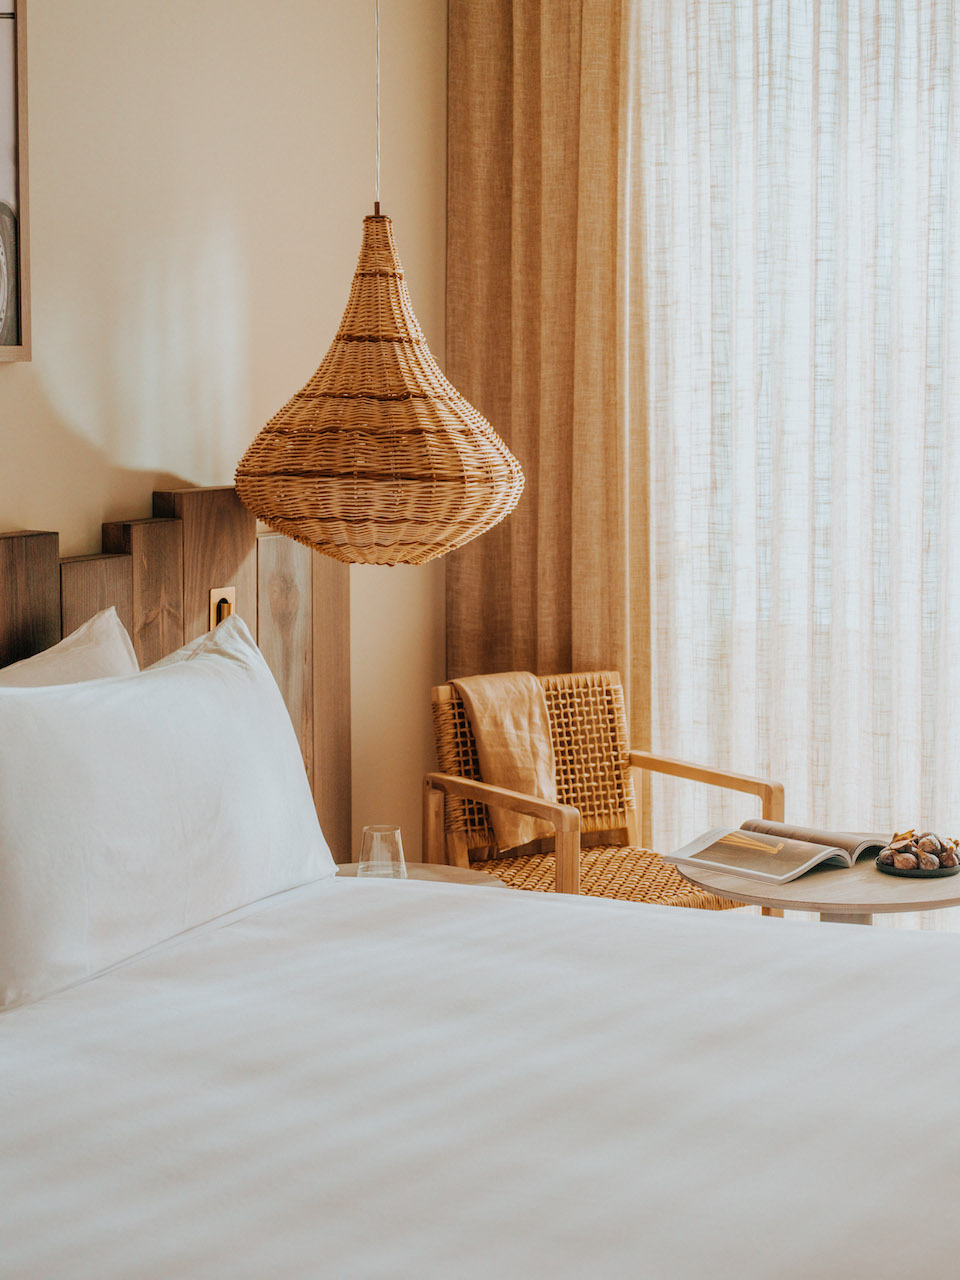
[796, 174]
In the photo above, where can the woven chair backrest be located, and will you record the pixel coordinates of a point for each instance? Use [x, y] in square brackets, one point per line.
[589, 729]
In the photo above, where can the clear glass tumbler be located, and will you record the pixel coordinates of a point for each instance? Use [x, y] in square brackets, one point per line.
[381, 853]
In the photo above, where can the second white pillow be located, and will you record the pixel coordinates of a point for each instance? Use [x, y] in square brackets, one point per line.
[95, 651]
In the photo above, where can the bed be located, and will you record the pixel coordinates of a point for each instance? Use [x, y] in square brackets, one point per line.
[362, 1079]
[330, 1077]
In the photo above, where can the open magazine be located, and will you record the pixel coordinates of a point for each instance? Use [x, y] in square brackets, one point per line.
[774, 852]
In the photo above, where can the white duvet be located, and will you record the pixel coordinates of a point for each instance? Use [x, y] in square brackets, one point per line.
[372, 1079]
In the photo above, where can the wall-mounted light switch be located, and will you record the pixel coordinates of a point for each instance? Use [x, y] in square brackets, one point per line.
[223, 602]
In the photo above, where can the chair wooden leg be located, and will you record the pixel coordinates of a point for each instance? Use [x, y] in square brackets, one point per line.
[432, 848]
[772, 911]
[772, 809]
[457, 853]
[568, 862]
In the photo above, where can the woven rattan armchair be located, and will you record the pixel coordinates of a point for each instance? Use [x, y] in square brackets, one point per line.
[597, 849]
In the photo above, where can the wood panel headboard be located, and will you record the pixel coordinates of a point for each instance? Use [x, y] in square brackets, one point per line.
[159, 573]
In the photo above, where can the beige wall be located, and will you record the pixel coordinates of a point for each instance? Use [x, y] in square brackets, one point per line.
[199, 173]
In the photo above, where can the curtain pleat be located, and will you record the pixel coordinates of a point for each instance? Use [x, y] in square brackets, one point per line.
[538, 116]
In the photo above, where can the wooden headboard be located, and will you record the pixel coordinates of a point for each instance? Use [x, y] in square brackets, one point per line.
[159, 573]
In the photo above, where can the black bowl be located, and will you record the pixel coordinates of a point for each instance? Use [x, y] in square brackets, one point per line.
[917, 873]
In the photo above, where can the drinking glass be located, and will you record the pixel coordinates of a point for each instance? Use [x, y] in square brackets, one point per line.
[381, 853]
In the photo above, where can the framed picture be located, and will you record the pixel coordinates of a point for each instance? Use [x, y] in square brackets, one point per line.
[14, 236]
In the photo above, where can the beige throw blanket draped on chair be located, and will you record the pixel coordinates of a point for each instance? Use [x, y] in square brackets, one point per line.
[511, 726]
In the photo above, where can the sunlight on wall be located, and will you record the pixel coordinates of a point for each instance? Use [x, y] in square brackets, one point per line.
[167, 383]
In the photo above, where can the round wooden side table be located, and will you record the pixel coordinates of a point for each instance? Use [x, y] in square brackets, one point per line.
[842, 895]
[435, 871]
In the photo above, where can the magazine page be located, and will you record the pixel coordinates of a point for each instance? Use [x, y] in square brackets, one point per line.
[853, 842]
[754, 854]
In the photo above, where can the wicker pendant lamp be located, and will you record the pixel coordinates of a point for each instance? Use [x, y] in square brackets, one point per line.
[378, 459]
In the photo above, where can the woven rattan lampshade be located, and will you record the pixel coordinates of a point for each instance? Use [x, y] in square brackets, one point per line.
[378, 459]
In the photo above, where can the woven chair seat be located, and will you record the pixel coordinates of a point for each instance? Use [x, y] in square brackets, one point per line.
[609, 871]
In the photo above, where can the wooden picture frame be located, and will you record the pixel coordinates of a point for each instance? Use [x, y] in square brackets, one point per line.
[15, 335]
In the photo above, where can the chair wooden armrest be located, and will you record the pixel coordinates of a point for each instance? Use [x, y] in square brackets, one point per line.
[770, 793]
[564, 818]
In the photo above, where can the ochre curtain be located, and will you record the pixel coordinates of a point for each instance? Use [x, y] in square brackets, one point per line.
[704, 276]
[538, 323]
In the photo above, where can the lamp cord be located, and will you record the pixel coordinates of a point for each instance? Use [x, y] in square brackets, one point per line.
[377, 203]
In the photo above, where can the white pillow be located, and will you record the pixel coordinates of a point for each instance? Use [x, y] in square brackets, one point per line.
[134, 808]
[183, 654]
[100, 648]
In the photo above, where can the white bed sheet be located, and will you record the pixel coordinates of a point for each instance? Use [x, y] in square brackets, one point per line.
[371, 1079]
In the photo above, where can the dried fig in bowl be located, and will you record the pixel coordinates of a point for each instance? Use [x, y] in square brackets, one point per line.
[905, 861]
[903, 844]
